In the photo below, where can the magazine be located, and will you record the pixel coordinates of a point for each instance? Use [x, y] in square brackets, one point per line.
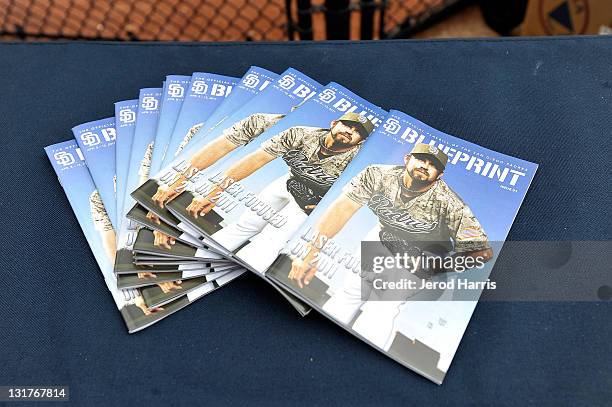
[205, 93]
[173, 94]
[68, 162]
[264, 110]
[400, 248]
[167, 234]
[138, 169]
[147, 279]
[97, 143]
[145, 244]
[253, 201]
[161, 294]
[125, 124]
[254, 81]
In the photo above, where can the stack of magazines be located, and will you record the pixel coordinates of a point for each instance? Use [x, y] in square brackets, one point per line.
[371, 217]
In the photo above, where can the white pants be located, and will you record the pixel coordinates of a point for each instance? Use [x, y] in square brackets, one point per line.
[377, 317]
[266, 240]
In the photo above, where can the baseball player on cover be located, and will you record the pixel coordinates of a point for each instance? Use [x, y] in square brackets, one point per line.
[315, 157]
[240, 134]
[190, 133]
[102, 224]
[413, 205]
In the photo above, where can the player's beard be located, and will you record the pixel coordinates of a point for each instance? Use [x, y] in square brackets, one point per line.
[417, 181]
[338, 142]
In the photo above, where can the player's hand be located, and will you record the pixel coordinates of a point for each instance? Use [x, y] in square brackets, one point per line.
[164, 194]
[146, 274]
[168, 286]
[310, 207]
[200, 206]
[163, 240]
[153, 218]
[139, 302]
[304, 270]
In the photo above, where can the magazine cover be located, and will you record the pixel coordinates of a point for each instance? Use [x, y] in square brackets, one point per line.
[68, 162]
[161, 294]
[254, 81]
[160, 260]
[162, 267]
[173, 94]
[96, 140]
[205, 93]
[289, 91]
[261, 194]
[125, 124]
[138, 169]
[147, 118]
[148, 279]
[400, 248]
[167, 234]
[145, 244]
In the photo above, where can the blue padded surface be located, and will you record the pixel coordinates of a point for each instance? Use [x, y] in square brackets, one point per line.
[547, 100]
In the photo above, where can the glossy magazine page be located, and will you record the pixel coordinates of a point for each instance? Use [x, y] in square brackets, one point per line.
[69, 165]
[97, 143]
[400, 248]
[173, 94]
[205, 92]
[260, 113]
[253, 201]
[125, 124]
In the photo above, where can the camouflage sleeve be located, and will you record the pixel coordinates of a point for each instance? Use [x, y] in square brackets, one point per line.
[192, 132]
[465, 230]
[145, 164]
[284, 141]
[361, 188]
[249, 128]
[99, 216]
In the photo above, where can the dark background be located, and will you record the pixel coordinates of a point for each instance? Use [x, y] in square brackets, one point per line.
[543, 100]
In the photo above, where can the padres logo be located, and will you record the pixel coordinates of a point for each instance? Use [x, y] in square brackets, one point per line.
[327, 95]
[63, 158]
[149, 103]
[127, 116]
[433, 150]
[199, 87]
[286, 82]
[392, 125]
[250, 80]
[175, 90]
[90, 139]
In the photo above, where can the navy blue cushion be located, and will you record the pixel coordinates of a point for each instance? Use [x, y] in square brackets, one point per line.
[546, 100]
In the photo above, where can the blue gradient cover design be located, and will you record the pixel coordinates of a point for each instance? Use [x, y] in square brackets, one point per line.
[289, 91]
[174, 90]
[97, 142]
[268, 184]
[278, 98]
[254, 81]
[69, 165]
[206, 92]
[140, 156]
[422, 335]
[125, 124]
